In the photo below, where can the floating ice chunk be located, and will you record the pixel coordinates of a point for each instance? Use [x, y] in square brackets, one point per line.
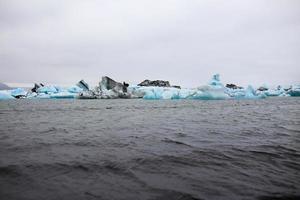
[87, 95]
[266, 91]
[18, 92]
[83, 85]
[251, 94]
[186, 93]
[236, 93]
[47, 89]
[210, 93]
[294, 91]
[34, 95]
[108, 88]
[5, 94]
[36, 87]
[248, 93]
[109, 94]
[60, 89]
[75, 89]
[215, 81]
[205, 93]
[170, 93]
[136, 91]
[272, 92]
[153, 92]
[31, 95]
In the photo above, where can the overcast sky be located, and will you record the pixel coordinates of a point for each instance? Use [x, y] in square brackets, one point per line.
[183, 41]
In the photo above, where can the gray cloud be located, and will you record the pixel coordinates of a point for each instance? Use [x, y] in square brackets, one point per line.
[53, 41]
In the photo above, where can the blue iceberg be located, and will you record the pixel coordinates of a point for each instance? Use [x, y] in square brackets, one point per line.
[294, 91]
[5, 95]
[75, 89]
[215, 81]
[153, 92]
[18, 92]
[47, 89]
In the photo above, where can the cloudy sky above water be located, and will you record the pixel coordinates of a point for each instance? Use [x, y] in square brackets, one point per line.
[184, 41]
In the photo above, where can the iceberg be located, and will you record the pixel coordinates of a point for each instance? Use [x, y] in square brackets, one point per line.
[215, 90]
[110, 89]
[36, 87]
[86, 92]
[171, 93]
[41, 91]
[250, 93]
[34, 95]
[47, 89]
[186, 93]
[5, 95]
[136, 91]
[74, 89]
[153, 92]
[211, 92]
[18, 93]
[215, 81]
[294, 91]
[83, 85]
[273, 93]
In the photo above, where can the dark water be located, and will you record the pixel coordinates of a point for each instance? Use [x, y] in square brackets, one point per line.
[139, 149]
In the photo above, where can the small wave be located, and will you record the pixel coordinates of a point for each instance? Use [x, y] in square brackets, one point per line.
[180, 134]
[55, 130]
[167, 140]
[167, 194]
[282, 197]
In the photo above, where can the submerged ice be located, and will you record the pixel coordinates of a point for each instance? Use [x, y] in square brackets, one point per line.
[159, 89]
